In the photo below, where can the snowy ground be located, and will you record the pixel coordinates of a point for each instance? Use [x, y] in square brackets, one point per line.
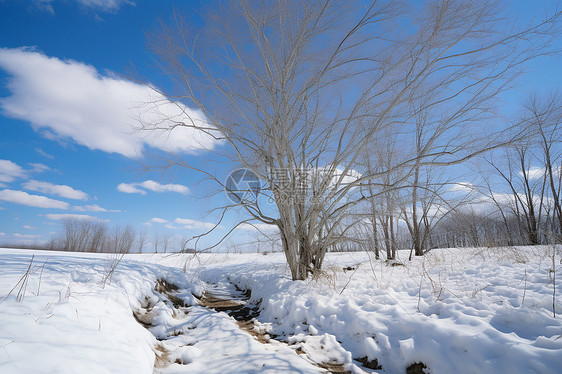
[464, 311]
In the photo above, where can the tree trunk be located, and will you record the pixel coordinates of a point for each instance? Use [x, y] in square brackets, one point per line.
[392, 239]
[375, 238]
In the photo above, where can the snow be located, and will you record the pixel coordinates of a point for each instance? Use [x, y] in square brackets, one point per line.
[480, 310]
[68, 321]
[487, 309]
[215, 342]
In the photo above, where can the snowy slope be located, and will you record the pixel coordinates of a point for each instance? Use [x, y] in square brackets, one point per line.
[464, 311]
[457, 310]
[68, 322]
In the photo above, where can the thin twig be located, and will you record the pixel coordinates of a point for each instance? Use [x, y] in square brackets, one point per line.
[40, 276]
[349, 280]
[23, 281]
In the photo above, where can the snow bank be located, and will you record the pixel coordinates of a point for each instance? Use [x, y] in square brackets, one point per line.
[68, 321]
[214, 343]
[466, 311]
[469, 311]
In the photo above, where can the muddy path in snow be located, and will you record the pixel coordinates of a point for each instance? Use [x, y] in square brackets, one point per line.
[235, 303]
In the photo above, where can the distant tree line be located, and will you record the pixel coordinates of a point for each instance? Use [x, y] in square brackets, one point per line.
[91, 235]
[463, 228]
[97, 236]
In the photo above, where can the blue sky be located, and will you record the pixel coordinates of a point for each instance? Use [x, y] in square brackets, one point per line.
[66, 104]
[67, 110]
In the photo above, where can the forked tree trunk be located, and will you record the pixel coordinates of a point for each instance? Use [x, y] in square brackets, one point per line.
[303, 257]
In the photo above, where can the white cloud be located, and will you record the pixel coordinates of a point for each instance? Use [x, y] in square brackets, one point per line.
[317, 175]
[26, 236]
[129, 188]
[484, 204]
[72, 100]
[44, 154]
[347, 177]
[157, 187]
[260, 227]
[57, 217]
[182, 224]
[103, 5]
[2, 234]
[39, 168]
[158, 220]
[10, 171]
[44, 5]
[152, 186]
[537, 172]
[64, 191]
[23, 198]
[192, 224]
[462, 187]
[534, 172]
[27, 227]
[93, 208]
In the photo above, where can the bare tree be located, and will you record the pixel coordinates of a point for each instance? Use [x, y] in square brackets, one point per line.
[425, 196]
[384, 191]
[184, 241]
[91, 235]
[98, 236]
[294, 87]
[502, 209]
[156, 242]
[546, 117]
[527, 192]
[120, 240]
[141, 239]
[165, 241]
[82, 235]
[530, 171]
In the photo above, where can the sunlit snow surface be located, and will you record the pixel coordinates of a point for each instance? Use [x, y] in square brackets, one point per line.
[457, 311]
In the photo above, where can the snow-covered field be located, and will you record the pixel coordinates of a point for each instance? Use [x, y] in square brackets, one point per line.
[485, 310]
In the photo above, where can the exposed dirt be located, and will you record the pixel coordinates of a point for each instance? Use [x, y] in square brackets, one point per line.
[245, 314]
[333, 367]
[145, 317]
[162, 360]
[163, 286]
[417, 368]
[166, 288]
[218, 304]
[242, 313]
[370, 364]
[144, 314]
